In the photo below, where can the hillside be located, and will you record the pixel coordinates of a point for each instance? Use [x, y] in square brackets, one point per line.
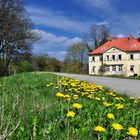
[43, 106]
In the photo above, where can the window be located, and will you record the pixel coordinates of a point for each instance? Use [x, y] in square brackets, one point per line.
[93, 58]
[120, 57]
[101, 58]
[93, 69]
[113, 68]
[120, 67]
[131, 56]
[107, 68]
[132, 68]
[113, 57]
[107, 57]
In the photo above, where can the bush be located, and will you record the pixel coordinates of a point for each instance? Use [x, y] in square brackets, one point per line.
[24, 66]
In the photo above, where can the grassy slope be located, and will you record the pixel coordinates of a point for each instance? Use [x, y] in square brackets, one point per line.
[25, 102]
[29, 110]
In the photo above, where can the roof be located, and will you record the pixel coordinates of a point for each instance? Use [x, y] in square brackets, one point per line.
[127, 44]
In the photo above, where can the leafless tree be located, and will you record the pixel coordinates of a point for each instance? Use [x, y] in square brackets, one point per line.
[15, 32]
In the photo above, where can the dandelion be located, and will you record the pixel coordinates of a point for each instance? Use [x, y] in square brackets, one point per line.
[70, 114]
[117, 126]
[77, 106]
[75, 97]
[132, 132]
[97, 98]
[110, 116]
[99, 128]
[106, 104]
[132, 98]
[119, 106]
[59, 94]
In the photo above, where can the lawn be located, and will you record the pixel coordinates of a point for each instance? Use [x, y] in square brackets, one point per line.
[43, 106]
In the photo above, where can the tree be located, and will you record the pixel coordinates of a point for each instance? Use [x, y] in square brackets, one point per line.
[76, 57]
[100, 34]
[15, 32]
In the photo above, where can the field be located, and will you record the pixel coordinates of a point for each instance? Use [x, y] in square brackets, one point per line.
[42, 106]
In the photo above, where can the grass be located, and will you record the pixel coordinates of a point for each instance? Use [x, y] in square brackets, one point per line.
[31, 108]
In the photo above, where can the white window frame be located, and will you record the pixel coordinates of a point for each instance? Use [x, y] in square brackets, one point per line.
[120, 68]
[114, 68]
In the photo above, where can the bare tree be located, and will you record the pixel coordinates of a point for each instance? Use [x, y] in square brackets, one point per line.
[15, 32]
[100, 34]
[76, 57]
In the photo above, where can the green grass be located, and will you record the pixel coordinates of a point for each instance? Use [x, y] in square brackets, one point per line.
[30, 110]
[25, 104]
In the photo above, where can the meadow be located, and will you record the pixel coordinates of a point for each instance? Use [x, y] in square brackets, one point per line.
[43, 106]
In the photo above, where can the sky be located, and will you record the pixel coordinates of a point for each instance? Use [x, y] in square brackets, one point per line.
[60, 23]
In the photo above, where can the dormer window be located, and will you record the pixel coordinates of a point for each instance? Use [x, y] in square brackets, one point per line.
[131, 56]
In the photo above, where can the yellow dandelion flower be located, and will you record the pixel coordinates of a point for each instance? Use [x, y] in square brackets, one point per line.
[66, 96]
[107, 104]
[75, 97]
[132, 131]
[59, 94]
[119, 106]
[135, 101]
[110, 116]
[70, 114]
[97, 98]
[99, 128]
[132, 97]
[117, 126]
[77, 106]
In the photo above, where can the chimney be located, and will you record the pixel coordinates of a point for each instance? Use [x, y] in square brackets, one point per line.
[130, 37]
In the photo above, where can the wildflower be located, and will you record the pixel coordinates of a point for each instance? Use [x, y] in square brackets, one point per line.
[106, 104]
[110, 116]
[119, 106]
[66, 96]
[132, 131]
[132, 98]
[139, 98]
[59, 94]
[75, 97]
[97, 98]
[70, 114]
[99, 128]
[117, 126]
[135, 101]
[48, 85]
[90, 96]
[77, 106]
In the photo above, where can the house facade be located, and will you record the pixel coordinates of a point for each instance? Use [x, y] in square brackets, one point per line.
[118, 56]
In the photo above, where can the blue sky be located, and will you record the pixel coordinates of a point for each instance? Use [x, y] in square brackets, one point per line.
[61, 23]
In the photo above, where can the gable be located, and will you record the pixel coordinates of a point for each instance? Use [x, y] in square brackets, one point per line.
[113, 50]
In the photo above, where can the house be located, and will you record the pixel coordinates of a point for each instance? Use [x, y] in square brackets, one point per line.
[118, 56]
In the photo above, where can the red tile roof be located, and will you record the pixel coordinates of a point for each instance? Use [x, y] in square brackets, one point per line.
[127, 44]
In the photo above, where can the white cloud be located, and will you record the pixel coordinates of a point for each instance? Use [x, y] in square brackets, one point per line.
[53, 45]
[54, 19]
[120, 35]
[50, 18]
